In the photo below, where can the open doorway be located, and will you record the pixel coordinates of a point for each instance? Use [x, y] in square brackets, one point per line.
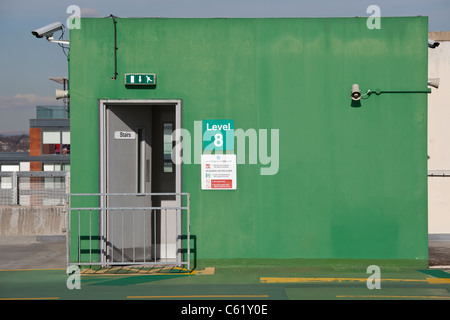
[137, 168]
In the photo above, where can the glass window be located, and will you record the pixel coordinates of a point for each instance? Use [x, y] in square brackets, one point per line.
[5, 182]
[56, 142]
[167, 147]
[52, 112]
[10, 167]
[49, 167]
[51, 137]
[56, 167]
[65, 142]
[66, 137]
[51, 142]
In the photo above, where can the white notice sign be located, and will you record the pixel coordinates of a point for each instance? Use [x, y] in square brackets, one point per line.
[218, 172]
[124, 135]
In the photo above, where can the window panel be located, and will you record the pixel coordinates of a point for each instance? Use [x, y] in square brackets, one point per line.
[167, 147]
[66, 137]
[49, 137]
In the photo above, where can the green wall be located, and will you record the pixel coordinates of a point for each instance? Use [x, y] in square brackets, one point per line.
[352, 180]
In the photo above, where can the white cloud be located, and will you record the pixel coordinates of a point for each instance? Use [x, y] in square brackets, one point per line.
[25, 100]
[89, 12]
[16, 111]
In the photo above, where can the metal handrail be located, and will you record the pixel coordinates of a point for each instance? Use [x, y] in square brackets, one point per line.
[105, 210]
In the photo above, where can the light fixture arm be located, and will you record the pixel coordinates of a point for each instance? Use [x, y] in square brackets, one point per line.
[378, 92]
[51, 39]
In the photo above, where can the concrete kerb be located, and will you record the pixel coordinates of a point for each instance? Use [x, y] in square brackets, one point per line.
[32, 239]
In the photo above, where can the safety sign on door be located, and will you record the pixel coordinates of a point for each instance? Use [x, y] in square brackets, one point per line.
[124, 135]
[218, 172]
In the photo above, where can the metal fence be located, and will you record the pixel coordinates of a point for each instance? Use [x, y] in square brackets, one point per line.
[34, 188]
[118, 229]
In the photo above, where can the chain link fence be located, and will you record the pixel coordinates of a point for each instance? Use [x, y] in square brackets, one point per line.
[34, 188]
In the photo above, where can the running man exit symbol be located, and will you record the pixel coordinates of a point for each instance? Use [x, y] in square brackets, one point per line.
[140, 79]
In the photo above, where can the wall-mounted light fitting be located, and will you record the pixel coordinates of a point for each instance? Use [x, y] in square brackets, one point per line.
[356, 93]
[433, 82]
[61, 94]
[433, 44]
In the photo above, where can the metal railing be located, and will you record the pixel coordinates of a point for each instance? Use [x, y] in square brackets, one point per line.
[34, 188]
[119, 229]
[439, 173]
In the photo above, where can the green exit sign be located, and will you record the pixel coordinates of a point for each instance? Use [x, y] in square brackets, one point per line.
[140, 79]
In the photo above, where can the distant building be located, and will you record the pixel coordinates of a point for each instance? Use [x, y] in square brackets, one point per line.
[49, 143]
[50, 139]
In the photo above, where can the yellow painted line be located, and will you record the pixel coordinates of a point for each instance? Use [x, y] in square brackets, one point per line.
[207, 271]
[300, 280]
[386, 296]
[136, 272]
[40, 298]
[438, 280]
[327, 280]
[201, 296]
[132, 269]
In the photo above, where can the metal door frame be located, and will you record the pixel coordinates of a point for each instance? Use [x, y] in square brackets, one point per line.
[103, 104]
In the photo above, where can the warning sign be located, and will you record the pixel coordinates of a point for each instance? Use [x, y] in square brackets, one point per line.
[221, 184]
[218, 172]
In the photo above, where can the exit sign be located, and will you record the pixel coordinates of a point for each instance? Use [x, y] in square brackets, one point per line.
[144, 79]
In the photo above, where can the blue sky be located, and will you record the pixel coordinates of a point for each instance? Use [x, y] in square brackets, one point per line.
[26, 63]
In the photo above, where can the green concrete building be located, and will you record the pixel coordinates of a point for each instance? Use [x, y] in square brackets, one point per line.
[317, 175]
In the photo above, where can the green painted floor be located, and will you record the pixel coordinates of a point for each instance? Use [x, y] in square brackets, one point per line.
[229, 283]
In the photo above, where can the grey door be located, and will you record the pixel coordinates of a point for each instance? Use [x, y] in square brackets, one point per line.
[128, 170]
[138, 160]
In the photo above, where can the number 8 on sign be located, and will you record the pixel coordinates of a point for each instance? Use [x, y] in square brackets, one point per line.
[218, 139]
[218, 135]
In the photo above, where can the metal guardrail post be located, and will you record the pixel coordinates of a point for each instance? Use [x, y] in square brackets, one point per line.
[67, 181]
[164, 212]
[189, 232]
[14, 189]
[67, 206]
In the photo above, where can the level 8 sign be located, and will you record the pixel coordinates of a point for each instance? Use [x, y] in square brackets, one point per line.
[218, 135]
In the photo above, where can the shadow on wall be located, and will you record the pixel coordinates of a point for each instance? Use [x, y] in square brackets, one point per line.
[356, 104]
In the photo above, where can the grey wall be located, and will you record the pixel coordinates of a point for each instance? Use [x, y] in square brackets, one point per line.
[32, 221]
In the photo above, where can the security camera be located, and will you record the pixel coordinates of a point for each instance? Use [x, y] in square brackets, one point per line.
[432, 44]
[356, 93]
[48, 30]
